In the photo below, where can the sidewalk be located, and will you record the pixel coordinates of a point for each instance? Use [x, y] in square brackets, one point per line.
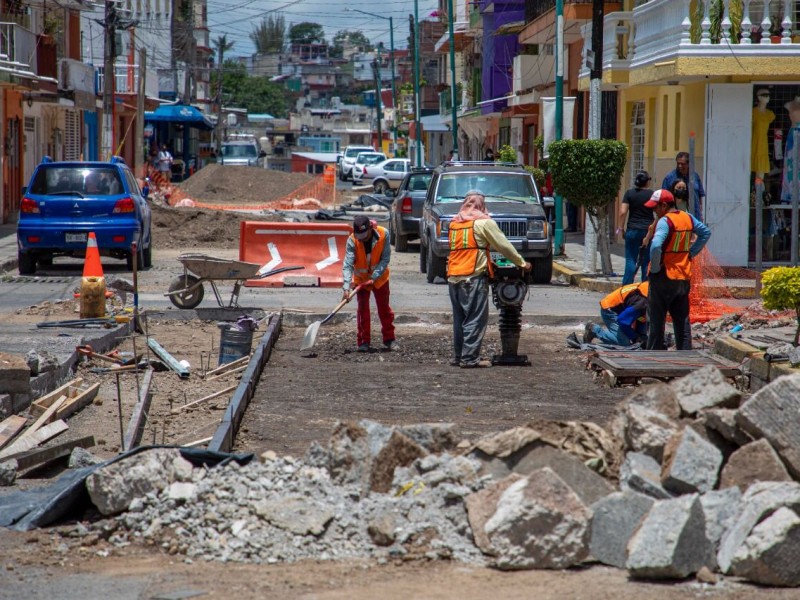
[569, 266]
[8, 247]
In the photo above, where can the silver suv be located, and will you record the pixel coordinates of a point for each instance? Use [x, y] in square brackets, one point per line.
[512, 200]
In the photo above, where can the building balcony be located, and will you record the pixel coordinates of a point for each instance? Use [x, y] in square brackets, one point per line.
[126, 80]
[662, 41]
[540, 18]
[17, 51]
[535, 9]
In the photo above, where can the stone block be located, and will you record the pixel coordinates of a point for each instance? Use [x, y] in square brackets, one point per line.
[648, 431]
[505, 443]
[705, 388]
[691, 464]
[765, 415]
[6, 406]
[723, 421]
[659, 397]
[614, 520]
[539, 523]
[15, 374]
[757, 461]
[588, 485]
[481, 506]
[434, 437]
[721, 508]
[20, 401]
[641, 473]
[296, 514]
[381, 529]
[81, 457]
[759, 501]
[769, 554]
[671, 541]
[399, 451]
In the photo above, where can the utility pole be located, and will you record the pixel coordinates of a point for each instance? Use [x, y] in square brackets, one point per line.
[110, 53]
[559, 233]
[417, 123]
[395, 111]
[190, 59]
[595, 120]
[139, 140]
[452, 78]
[218, 132]
[378, 107]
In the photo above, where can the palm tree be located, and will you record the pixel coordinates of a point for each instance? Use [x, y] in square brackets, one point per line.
[268, 36]
[221, 45]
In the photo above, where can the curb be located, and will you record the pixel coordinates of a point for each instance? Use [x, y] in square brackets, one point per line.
[9, 264]
[762, 372]
[584, 281]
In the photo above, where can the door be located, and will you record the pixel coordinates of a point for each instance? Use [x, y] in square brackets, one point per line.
[727, 175]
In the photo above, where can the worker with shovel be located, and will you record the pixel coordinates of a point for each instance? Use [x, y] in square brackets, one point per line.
[366, 268]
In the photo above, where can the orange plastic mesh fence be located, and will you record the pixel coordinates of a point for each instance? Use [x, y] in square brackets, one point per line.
[712, 285]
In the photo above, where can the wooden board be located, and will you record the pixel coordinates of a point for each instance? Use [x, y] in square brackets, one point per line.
[40, 456]
[133, 434]
[657, 363]
[40, 405]
[47, 417]
[77, 398]
[23, 445]
[11, 427]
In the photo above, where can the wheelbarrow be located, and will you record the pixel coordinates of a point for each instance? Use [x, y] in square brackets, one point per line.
[187, 291]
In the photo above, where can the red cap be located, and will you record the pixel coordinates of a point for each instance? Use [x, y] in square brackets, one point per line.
[660, 197]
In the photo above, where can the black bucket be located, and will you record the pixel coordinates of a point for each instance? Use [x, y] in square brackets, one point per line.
[233, 344]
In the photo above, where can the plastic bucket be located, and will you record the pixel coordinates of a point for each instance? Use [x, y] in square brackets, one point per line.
[93, 297]
[233, 344]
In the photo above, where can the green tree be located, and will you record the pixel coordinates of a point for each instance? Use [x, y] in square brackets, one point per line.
[256, 94]
[269, 35]
[356, 38]
[781, 291]
[589, 173]
[306, 33]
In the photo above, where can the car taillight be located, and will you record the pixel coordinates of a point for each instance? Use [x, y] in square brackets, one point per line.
[29, 206]
[405, 207]
[365, 170]
[124, 205]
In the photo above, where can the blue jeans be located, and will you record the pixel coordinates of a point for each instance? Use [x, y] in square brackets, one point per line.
[611, 333]
[633, 243]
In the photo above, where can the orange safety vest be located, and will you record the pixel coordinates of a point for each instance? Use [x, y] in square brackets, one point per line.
[618, 296]
[364, 265]
[464, 250]
[675, 251]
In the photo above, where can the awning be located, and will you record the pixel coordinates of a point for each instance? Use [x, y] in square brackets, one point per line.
[179, 113]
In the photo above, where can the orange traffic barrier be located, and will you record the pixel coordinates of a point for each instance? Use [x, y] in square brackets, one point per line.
[329, 176]
[317, 247]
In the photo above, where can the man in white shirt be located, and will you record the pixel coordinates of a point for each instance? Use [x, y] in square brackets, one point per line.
[165, 162]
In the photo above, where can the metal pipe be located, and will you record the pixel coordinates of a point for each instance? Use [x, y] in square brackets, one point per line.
[417, 124]
[454, 117]
[559, 51]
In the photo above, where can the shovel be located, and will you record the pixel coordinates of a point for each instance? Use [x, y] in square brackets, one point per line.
[310, 335]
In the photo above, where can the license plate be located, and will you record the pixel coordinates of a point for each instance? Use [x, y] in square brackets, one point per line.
[75, 238]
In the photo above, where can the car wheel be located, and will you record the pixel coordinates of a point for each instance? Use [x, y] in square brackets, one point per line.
[392, 234]
[148, 256]
[188, 299]
[401, 242]
[431, 260]
[542, 271]
[380, 187]
[423, 258]
[26, 263]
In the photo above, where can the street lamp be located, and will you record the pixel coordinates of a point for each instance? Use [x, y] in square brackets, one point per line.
[452, 77]
[391, 50]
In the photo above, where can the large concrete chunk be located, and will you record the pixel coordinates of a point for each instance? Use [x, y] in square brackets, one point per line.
[506, 443]
[434, 437]
[588, 485]
[641, 473]
[481, 506]
[772, 413]
[300, 515]
[754, 462]
[705, 388]
[759, 501]
[112, 488]
[540, 523]
[723, 421]
[671, 541]
[721, 508]
[648, 431]
[349, 455]
[659, 397]
[399, 451]
[770, 554]
[614, 520]
[691, 464]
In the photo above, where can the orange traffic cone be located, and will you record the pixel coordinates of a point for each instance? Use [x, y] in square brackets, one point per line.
[93, 284]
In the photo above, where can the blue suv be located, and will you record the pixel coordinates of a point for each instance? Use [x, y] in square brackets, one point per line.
[65, 201]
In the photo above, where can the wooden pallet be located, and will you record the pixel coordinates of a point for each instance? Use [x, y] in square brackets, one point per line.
[622, 365]
[77, 395]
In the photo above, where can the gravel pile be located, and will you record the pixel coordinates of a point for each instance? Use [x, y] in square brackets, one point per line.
[286, 510]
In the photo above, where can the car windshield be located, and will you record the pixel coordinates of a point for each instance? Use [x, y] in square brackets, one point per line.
[497, 187]
[419, 183]
[78, 180]
[239, 151]
[353, 152]
[370, 159]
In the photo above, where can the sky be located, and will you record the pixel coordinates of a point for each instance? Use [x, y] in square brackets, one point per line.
[237, 18]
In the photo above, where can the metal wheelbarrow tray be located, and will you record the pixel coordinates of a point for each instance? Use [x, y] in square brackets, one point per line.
[187, 291]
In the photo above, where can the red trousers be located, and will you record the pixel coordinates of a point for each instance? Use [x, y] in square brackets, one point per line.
[385, 314]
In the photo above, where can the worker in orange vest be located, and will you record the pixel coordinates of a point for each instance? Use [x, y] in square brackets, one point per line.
[366, 261]
[671, 254]
[472, 232]
[624, 312]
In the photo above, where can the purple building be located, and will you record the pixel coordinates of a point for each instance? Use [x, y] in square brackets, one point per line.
[497, 61]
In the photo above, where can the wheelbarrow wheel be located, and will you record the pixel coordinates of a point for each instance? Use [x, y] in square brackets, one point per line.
[190, 298]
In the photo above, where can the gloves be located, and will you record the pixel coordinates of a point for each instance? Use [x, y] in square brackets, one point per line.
[345, 294]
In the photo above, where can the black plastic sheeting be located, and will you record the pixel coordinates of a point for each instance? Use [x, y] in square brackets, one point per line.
[68, 497]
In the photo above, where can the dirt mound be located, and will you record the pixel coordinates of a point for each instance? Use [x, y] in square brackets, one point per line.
[190, 227]
[219, 184]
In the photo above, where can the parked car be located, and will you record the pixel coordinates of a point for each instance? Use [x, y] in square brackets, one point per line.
[407, 207]
[241, 153]
[362, 160]
[64, 201]
[349, 158]
[387, 174]
[512, 200]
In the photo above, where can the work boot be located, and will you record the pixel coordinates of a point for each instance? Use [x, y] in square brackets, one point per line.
[363, 348]
[454, 362]
[391, 346]
[588, 333]
[481, 364]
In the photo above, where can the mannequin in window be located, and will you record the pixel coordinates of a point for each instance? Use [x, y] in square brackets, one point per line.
[759, 141]
[793, 107]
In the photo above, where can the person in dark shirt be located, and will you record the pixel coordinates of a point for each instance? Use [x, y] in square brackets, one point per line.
[635, 220]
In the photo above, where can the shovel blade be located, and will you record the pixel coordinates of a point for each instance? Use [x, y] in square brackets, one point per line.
[310, 335]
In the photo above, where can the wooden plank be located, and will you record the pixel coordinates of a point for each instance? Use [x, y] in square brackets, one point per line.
[133, 434]
[209, 397]
[77, 402]
[226, 373]
[46, 417]
[42, 404]
[227, 366]
[11, 427]
[21, 446]
[654, 363]
[35, 458]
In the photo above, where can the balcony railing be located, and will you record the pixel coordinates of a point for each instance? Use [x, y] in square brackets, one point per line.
[617, 41]
[537, 8]
[126, 80]
[17, 48]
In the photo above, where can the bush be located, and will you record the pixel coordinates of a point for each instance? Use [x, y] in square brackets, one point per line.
[781, 291]
[507, 154]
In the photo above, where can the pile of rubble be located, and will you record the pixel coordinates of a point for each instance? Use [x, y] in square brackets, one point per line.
[706, 485]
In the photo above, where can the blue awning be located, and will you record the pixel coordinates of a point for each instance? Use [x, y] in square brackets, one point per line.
[179, 113]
